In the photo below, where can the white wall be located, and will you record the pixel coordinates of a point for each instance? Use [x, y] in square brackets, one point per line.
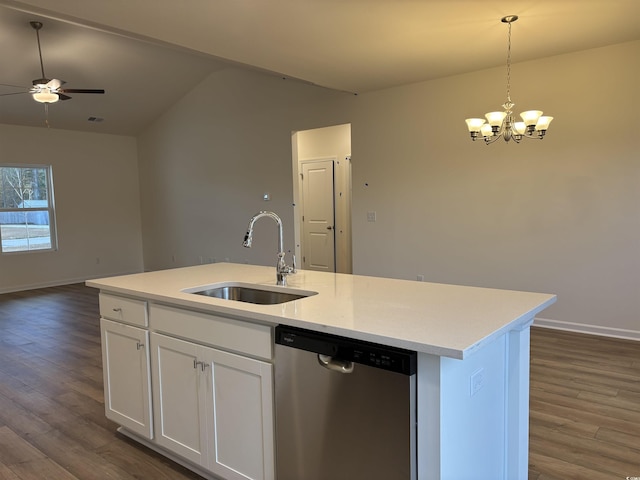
[559, 215]
[97, 206]
[207, 162]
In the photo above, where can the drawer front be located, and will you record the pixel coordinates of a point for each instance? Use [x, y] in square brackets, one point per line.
[126, 310]
[207, 329]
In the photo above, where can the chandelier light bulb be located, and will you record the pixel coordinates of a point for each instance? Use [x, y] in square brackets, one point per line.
[543, 123]
[486, 130]
[495, 119]
[530, 117]
[519, 128]
[475, 124]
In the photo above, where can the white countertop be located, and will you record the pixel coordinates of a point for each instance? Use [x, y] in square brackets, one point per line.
[439, 319]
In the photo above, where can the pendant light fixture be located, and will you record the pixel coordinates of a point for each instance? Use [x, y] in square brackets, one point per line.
[501, 124]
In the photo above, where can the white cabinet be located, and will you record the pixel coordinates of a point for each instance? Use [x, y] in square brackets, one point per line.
[194, 386]
[125, 364]
[179, 412]
[214, 408]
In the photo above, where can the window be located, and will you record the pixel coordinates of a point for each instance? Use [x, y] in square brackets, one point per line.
[27, 216]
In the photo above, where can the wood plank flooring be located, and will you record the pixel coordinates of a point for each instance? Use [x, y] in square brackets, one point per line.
[584, 407]
[585, 400]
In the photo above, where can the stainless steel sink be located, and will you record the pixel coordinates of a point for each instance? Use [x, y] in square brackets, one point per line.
[253, 294]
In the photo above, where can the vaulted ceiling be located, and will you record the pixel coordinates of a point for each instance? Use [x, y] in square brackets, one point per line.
[146, 54]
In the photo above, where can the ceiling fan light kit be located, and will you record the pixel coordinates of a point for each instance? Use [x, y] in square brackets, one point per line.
[501, 124]
[44, 95]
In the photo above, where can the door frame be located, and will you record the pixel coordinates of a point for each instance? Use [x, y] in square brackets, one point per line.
[342, 201]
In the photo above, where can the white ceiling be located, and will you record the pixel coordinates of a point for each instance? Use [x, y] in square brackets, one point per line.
[148, 53]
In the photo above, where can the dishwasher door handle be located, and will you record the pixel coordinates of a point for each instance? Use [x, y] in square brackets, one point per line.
[330, 363]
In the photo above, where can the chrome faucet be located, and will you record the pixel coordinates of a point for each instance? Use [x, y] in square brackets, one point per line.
[282, 269]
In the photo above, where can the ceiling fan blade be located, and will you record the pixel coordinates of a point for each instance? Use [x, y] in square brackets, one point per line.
[62, 96]
[14, 86]
[81, 90]
[14, 93]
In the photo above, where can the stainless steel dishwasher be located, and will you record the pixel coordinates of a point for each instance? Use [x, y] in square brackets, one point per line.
[345, 409]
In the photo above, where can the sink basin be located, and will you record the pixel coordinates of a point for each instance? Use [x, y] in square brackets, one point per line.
[248, 293]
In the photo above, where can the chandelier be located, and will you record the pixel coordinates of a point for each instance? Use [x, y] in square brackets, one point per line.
[501, 124]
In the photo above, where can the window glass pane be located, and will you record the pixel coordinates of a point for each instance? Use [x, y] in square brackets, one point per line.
[27, 215]
[22, 187]
[25, 231]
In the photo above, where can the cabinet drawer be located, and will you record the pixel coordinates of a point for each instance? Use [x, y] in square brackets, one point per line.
[207, 329]
[123, 309]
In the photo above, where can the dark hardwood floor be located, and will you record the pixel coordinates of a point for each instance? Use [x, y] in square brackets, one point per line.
[584, 407]
[585, 400]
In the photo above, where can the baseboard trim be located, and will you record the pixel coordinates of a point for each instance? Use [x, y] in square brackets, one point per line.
[58, 283]
[588, 329]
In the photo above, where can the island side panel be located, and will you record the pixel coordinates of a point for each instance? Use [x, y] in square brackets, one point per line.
[462, 415]
[518, 367]
[473, 414]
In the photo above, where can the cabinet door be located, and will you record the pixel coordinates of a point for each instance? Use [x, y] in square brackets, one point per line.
[239, 416]
[125, 365]
[178, 398]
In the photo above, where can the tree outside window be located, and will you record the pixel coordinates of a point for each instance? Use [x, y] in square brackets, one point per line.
[27, 216]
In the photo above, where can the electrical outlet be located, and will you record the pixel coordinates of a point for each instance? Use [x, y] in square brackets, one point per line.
[477, 381]
[420, 278]
[371, 216]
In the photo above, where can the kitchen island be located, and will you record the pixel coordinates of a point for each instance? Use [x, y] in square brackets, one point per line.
[472, 344]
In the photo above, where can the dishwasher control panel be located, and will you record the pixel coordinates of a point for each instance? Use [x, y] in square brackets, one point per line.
[375, 355]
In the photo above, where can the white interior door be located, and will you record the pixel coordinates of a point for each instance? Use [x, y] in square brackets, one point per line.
[318, 234]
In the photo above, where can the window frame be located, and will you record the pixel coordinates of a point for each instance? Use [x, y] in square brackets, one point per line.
[50, 209]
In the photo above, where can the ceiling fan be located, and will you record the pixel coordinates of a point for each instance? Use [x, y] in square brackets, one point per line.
[45, 90]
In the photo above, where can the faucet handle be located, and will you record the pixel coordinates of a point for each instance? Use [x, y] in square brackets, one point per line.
[294, 266]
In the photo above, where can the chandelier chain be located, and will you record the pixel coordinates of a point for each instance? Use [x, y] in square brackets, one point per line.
[509, 64]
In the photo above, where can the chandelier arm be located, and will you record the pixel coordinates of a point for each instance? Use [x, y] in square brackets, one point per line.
[493, 138]
[516, 137]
